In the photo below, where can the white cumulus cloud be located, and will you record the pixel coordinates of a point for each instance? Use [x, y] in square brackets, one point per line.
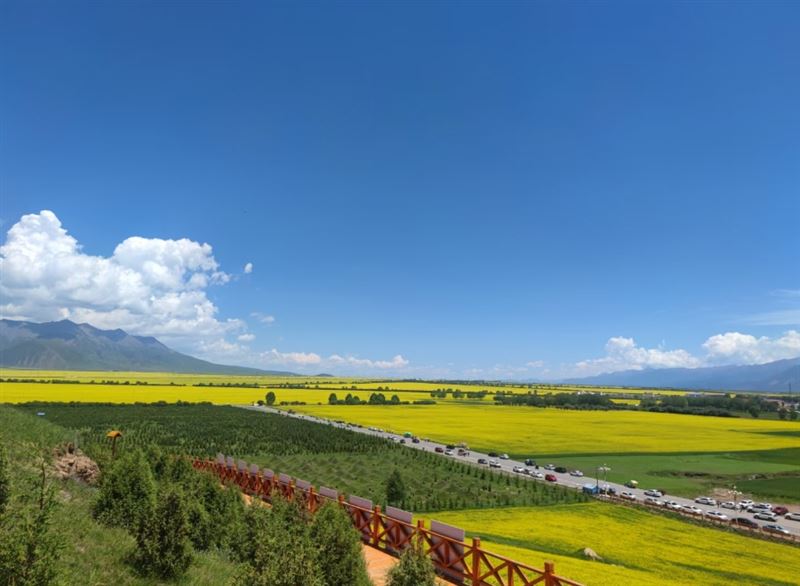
[248, 268]
[396, 362]
[624, 354]
[289, 358]
[246, 338]
[147, 286]
[263, 317]
[746, 349]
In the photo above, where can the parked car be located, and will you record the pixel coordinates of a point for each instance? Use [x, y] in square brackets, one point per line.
[550, 467]
[776, 529]
[692, 510]
[561, 469]
[451, 446]
[792, 516]
[537, 474]
[494, 464]
[530, 462]
[717, 515]
[654, 493]
[518, 469]
[631, 484]
[743, 505]
[481, 460]
[628, 495]
[673, 505]
[780, 510]
[550, 477]
[609, 490]
[448, 452]
[706, 500]
[439, 450]
[492, 454]
[728, 505]
[504, 456]
[745, 522]
[414, 440]
[577, 473]
[760, 507]
[765, 516]
[651, 500]
[402, 441]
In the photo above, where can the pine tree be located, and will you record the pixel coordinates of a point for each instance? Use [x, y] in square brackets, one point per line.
[339, 556]
[162, 538]
[127, 491]
[395, 488]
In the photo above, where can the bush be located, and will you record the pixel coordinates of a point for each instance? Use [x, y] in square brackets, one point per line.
[127, 492]
[162, 538]
[278, 549]
[414, 569]
[5, 481]
[339, 556]
[29, 548]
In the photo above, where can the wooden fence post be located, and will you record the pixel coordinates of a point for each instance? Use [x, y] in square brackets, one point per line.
[475, 570]
[376, 526]
[549, 574]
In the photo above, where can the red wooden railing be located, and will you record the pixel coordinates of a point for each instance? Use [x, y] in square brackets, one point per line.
[393, 530]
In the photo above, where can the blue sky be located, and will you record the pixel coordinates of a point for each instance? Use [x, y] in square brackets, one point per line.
[493, 190]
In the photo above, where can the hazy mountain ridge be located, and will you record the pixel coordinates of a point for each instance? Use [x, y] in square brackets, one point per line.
[65, 345]
[776, 376]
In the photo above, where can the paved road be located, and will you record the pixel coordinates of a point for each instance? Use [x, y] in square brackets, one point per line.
[508, 465]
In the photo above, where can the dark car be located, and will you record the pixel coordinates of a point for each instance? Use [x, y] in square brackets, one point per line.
[780, 510]
[745, 522]
[492, 454]
[530, 462]
[561, 469]
[550, 477]
[451, 446]
[439, 450]
[415, 440]
[481, 460]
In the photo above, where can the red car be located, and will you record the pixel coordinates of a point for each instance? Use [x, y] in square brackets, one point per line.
[550, 477]
[780, 510]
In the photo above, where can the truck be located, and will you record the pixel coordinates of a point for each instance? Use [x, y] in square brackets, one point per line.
[591, 489]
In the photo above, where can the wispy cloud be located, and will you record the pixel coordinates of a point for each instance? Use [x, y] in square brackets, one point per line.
[263, 317]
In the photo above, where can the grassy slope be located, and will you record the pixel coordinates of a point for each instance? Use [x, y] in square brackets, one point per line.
[93, 554]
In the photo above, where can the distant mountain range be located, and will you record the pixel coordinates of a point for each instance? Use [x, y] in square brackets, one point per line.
[65, 345]
[778, 376]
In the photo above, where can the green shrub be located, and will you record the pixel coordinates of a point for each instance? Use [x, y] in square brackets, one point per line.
[162, 537]
[127, 491]
[340, 555]
[414, 569]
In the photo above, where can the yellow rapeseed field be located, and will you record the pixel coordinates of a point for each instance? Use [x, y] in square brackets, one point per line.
[525, 430]
[636, 547]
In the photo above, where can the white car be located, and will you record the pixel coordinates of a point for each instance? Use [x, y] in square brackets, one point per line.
[673, 505]
[765, 516]
[762, 506]
[654, 493]
[448, 453]
[692, 510]
[577, 473]
[705, 500]
[628, 495]
[719, 516]
[537, 474]
[494, 464]
[728, 505]
[504, 456]
[745, 503]
[651, 500]
[519, 469]
[792, 516]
